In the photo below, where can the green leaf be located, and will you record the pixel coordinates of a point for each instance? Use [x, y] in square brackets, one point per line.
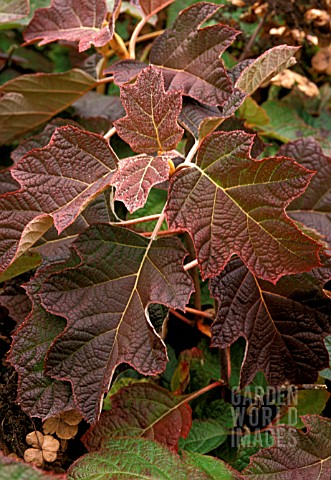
[11, 469]
[214, 469]
[304, 402]
[138, 458]
[144, 410]
[265, 67]
[27, 261]
[204, 436]
[155, 203]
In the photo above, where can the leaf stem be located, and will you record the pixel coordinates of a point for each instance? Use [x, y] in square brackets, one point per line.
[201, 313]
[105, 80]
[192, 152]
[175, 231]
[192, 264]
[110, 133]
[134, 221]
[181, 317]
[158, 225]
[192, 396]
[135, 34]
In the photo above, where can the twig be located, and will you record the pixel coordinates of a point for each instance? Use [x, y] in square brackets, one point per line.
[201, 313]
[250, 42]
[105, 80]
[161, 233]
[192, 264]
[181, 317]
[191, 153]
[110, 133]
[134, 221]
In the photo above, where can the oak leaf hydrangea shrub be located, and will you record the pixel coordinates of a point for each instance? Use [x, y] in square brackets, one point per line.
[258, 228]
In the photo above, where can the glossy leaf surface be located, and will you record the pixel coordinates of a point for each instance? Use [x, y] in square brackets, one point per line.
[106, 299]
[142, 410]
[71, 20]
[151, 121]
[231, 203]
[55, 187]
[284, 324]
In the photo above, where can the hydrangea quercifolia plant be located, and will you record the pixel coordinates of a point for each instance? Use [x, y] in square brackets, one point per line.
[256, 227]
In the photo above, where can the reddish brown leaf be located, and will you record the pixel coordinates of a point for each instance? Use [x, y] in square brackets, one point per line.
[144, 410]
[72, 20]
[313, 208]
[283, 324]
[151, 121]
[55, 187]
[38, 394]
[104, 300]
[137, 175]
[54, 247]
[30, 100]
[295, 455]
[151, 7]
[200, 119]
[94, 104]
[190, 57]
[231, 203]
[41, 139]
[125, 70]
[7, 182]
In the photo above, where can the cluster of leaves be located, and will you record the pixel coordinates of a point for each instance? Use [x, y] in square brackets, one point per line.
[256, 227]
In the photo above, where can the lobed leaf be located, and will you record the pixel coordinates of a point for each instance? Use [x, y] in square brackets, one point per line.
[72, 20]
[55, 187]
[137, 175]
[38, 394]
[142, 410]
[30, 100]
[151, 121]
[283, 324]
[190, 57]
[54, 247]
[243, 208]
[296, 455]
[265, 67]
[313, 208]
[105, 301]
[41, 139]
[11, 10]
